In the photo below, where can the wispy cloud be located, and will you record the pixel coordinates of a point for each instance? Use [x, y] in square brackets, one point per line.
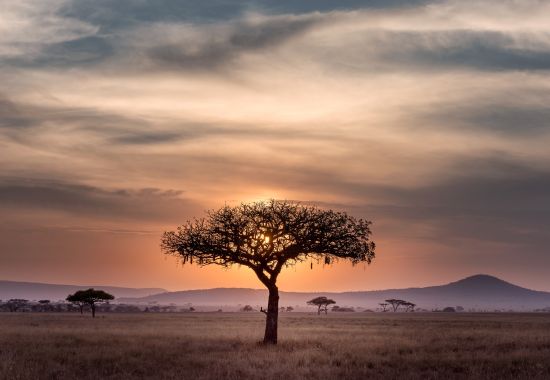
[27, 26]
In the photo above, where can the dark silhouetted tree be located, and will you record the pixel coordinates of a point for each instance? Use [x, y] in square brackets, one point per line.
[247, 308]
[15, 304]
[89, 297]
[77, 301]
[43, 305]
[395, 303]
[384, 306]
[268, 236]
[321, 303]
[409, 306]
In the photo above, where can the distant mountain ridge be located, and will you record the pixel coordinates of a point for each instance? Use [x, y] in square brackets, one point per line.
[37, 291]
[479, 292]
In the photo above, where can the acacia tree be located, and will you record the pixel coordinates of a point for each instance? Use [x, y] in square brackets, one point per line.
[15, 304]
[409, 306]
[75, 300]
[384, 306]
[395, 303]
[89, 297]
[268, 236]
[321, 303]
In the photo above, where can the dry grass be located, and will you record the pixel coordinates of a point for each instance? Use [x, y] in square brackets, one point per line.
[223, 346]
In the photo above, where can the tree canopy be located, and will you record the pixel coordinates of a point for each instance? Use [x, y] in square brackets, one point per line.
[268, 236]
[89, 297]
[15, 304]
[396, 303]
[321, 303]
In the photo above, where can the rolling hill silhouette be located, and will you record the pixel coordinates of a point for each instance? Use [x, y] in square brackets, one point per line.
[480, 292]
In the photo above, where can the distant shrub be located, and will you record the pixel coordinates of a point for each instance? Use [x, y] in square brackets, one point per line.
[449, 309]
[247, 308]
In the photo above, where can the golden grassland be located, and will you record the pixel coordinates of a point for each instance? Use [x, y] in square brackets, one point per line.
[224, 346]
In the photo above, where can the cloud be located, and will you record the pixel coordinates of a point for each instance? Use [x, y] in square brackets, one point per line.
[206, 48]
[11, 115]
[26, 26]
[358, 48]
[488, 199]
[81, 51]
[481, 50]
[503, 118]
[126, 13]
[16, 118]
[431, 36]
[84, 201]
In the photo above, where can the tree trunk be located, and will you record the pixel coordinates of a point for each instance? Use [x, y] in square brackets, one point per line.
[93, 311]
[319, 310]
[272, 316]
[81, 309]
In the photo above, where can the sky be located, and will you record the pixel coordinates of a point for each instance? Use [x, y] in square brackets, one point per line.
[123, 119]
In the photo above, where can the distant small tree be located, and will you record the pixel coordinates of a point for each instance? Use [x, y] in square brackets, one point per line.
[89, 297]
[459, 308]
[247, 308]
[322, 303]
[449, 309]
[384, 306]
[44, 305]
[395, 303]
[409, 306]
[15, 304]
[169, 308]
[289, 309]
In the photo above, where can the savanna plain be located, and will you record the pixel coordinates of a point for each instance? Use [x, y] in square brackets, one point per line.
[225, 346]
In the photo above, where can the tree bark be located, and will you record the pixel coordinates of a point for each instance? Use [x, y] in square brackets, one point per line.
[272, 316]
[93, 311]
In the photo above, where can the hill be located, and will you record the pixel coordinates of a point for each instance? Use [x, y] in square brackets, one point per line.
[37, 291]
[480, 292]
